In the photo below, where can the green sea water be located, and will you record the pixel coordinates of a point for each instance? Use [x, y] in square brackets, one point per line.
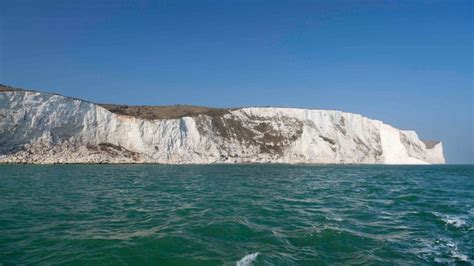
[244, 214]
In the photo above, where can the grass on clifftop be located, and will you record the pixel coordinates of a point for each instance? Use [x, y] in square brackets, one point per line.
[164, 112]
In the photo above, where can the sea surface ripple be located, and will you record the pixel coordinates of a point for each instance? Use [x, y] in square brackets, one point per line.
[236, 214]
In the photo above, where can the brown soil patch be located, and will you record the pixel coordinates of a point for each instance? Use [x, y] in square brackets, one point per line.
[6, 88]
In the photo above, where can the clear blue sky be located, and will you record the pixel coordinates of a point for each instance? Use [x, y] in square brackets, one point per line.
[408, 63]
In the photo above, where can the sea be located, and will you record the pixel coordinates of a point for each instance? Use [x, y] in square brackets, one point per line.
[248, 214]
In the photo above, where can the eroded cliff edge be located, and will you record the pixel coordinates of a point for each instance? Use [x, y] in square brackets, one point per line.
[46, 128]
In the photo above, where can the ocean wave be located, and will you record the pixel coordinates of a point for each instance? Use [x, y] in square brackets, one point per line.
[454, 221]
[458, 255]
[247, 259]
[446, 252]
[334, 218]
[222, 214]
[455, 253]
[451, 220]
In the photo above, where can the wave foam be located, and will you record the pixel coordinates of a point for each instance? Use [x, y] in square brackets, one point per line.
[454, 221]
[247, 259]
[446, 251]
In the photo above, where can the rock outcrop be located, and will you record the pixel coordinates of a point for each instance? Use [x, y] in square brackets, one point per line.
[46, 128]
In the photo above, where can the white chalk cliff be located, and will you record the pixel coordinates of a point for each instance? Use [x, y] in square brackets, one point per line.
[46, 128]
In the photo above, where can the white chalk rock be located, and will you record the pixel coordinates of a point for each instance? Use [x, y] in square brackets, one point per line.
[45, 128]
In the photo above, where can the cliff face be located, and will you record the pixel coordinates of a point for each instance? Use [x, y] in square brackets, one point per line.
[45, 128]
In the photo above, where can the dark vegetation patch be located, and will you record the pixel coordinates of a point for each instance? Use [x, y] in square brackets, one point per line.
[366, 150]
[361, 143]
[407, 143]
[331, 141]
[256, 133]
[164, 112]
[263, 127]
[378, 149]
[341, 126]
[115, 150]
